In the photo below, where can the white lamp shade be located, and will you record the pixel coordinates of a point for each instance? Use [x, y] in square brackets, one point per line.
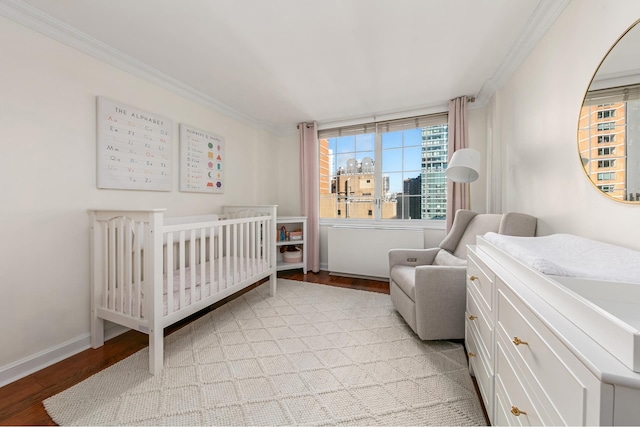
[464, 165]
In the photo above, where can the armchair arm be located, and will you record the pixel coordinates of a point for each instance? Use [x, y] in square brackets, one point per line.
[412, 257]
[440, 301]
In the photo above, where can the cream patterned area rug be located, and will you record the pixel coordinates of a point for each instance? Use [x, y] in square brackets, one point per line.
[312, 355]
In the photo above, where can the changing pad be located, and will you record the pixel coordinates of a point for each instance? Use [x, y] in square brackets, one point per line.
[572, 256]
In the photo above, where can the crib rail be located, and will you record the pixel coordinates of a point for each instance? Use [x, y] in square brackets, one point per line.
[196, 260]
[203, 259]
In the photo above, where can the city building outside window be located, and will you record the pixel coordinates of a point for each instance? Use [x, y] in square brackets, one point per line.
[606, 151]
[609, 163]
[603, 139]
[606, 176]
[605, 114]
[392, 170]
[606, 126]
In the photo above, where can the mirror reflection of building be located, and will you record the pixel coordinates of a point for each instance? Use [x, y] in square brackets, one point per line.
[609, 123]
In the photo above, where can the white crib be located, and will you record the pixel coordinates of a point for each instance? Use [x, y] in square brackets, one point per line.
[149, 271]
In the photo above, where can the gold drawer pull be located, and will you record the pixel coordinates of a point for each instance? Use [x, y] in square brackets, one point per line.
[518, 341]
[517, 412]
[472, 317]
[472, 278]
[471, 354]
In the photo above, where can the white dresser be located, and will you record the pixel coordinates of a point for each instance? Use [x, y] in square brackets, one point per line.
[533, 364]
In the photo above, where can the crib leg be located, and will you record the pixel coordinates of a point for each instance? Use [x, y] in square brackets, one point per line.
[97, 331]
[272, 284]
[156, 351]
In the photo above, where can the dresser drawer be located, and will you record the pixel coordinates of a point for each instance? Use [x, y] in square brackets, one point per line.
[481, 279]
[513, 405]
[481, 368]
[478, 321]
[554, 374]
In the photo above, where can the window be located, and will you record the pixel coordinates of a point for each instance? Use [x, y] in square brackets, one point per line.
[606, 163]
[605, 114]
[606, 176]
[606, 126]
[385, 170]
[602, 139]
[607, 188]
[606, 151]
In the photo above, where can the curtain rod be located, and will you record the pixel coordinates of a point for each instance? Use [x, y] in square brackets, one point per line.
[307, 124]
[470, 98]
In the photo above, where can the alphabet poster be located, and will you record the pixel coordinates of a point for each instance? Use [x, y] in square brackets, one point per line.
[201, 161]
[134, 148]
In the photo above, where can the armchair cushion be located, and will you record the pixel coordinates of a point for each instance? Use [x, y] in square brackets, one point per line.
[479, 224]
[445, 258]
[404, 277]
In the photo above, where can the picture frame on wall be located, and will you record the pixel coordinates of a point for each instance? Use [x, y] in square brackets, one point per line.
[202, 158]
[134, 148]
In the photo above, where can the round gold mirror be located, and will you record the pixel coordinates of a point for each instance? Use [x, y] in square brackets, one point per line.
[609, 124]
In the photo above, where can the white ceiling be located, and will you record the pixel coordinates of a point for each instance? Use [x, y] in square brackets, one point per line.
[279, 62]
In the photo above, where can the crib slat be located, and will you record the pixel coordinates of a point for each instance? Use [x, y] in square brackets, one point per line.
[253, 246]
[137, 270]
[220, 239]
[119, 262]
[259, 254]
[104, 303]
[264, 248]
[182, 267]
[127, 265]
[211, 260]
[261, 226]
[169, 266]
[112, 265]
[241, 246]
[235, 254]
[227, 238]
[203, 261]
[192, 263]
[269, 234]
[255, 258]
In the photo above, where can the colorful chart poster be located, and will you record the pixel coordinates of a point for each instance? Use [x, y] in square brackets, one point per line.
[201, 161]
[134, 148]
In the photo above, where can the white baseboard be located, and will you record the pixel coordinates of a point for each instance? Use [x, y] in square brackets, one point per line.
[27, 366]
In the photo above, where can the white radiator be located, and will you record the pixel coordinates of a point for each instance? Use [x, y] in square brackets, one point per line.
[364, 251]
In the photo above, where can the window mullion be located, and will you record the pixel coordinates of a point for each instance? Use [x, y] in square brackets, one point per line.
[377, 171]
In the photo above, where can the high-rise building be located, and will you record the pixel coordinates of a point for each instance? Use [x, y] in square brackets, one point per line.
[602, 136]
[409, 204]
[435, 142]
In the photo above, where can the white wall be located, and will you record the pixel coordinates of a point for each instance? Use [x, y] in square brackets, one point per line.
[536, 115]
[48, 181]
[288, 174]
[477, 125]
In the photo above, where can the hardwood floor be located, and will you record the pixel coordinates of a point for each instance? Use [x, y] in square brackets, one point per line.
[21, 401]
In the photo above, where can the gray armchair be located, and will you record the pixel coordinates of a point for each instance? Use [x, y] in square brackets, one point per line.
[428, 286]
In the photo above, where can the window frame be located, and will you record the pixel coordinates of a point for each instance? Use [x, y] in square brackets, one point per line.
[377, 129]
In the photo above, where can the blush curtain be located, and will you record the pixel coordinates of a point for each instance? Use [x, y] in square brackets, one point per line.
[457, 192]
[310, 191]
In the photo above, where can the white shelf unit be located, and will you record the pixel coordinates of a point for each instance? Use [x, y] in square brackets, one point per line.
[292, 223]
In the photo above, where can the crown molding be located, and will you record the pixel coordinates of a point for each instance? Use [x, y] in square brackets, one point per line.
[541, 21]
[45, 24]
